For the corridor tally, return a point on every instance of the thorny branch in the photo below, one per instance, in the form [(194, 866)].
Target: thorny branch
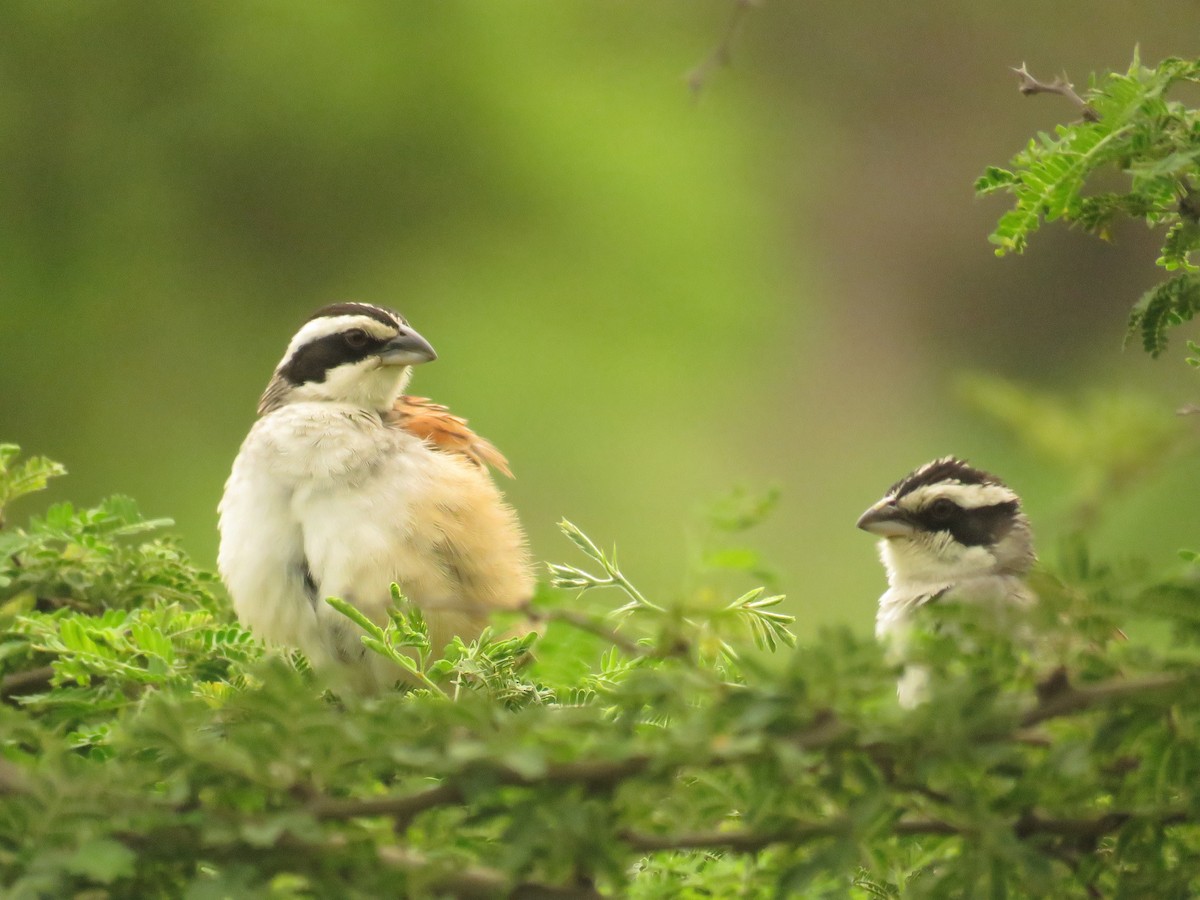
[(722, 53), (1029, 86)]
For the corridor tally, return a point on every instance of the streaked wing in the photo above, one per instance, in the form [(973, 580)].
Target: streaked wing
[(434, 423)]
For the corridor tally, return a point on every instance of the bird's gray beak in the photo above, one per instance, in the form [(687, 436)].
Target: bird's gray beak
[(885, 519), (407, 349)]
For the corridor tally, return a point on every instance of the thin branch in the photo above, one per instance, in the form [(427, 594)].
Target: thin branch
[(476, 881), (736, 841), (596, 774), (591, 626), (28, 682), (825, 731), (13, 779), (1028, 86), (796, 833), (1027, 826), (918, 827), (1068, 699), (679, 649), (451, 877), (720, 55), (1089, 831), (1085, 829), (401, 807)]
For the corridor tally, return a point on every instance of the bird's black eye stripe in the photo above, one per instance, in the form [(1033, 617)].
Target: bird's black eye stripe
[(971, 527), (312, 362), (943, 509)]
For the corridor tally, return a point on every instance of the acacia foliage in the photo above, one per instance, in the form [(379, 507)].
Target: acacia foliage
[(643, 746), (659, 748), (1131, 125)]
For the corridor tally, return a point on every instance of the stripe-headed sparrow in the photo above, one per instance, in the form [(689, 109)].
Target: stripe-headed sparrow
[(344, 486), (949, 533)]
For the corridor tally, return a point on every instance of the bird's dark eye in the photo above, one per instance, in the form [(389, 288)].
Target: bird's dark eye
[(942, 508), (356, 338)]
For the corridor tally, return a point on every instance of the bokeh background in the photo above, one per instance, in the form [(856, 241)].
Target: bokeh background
[(646, 298)]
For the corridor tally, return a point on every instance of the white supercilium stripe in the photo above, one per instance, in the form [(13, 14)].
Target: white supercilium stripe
[(967, 496)]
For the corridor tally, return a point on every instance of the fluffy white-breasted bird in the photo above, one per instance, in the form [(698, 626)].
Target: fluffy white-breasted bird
[(344, 486)]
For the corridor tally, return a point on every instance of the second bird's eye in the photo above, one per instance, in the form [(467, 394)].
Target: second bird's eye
[(943, 508), (356, 339)]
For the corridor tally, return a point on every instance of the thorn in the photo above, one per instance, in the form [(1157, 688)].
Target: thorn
[(1053, 684)]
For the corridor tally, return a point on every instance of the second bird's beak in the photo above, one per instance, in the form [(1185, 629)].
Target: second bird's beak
[(407, 349), (886, 520)]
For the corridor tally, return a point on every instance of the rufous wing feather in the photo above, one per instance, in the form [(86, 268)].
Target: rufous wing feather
[(434, 423)]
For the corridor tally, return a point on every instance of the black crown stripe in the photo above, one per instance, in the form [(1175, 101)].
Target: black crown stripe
[(380, 314), (948, 468)]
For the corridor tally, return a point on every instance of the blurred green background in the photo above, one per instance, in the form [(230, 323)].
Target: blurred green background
[(644, 298)]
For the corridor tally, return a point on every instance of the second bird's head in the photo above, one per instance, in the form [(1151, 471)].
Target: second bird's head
[(352, 353), (947, 521)]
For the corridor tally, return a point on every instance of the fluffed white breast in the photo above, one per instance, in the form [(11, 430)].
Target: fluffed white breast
[(362, 504)]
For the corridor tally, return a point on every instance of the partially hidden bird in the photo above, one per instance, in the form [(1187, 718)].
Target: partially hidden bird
[(949, 532)]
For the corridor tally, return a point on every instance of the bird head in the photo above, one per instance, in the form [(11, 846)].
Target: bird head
[(947, 521), (352, 353)]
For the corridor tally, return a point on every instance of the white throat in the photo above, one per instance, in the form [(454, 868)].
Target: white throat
[(933, 561), (369, 384)]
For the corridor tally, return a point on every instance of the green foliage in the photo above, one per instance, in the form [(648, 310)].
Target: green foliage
[(656, 749), (1103, 443), (1171, 303), (488, 663), (27, 478), (82, 558), (709, 625), (1130, 126), (727, 519), (87, 609)]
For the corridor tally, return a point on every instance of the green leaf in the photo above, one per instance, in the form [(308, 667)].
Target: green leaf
[(30, 476), (581, 540), (994, 179), (1163, 307), (354, 614), (742, 509), (738, 559), (102, 860)]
